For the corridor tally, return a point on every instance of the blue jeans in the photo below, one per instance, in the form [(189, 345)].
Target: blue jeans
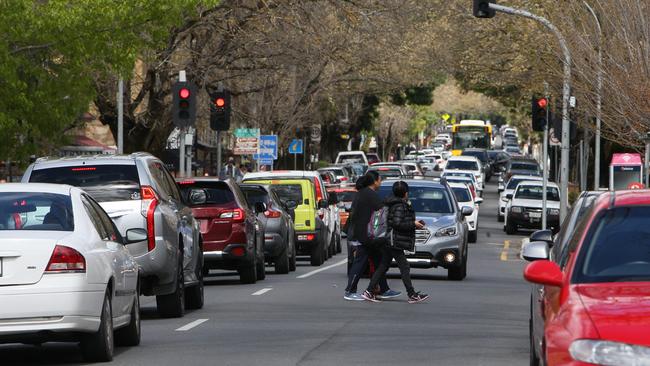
[(360, 255)]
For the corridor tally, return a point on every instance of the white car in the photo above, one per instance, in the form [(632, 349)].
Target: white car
[(465, 198), (509, 188), (466, 173), (524, 208), (470, 163), (351, 157), (65, 273)]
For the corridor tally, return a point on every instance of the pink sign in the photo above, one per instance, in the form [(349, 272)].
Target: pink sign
[(626, 159)]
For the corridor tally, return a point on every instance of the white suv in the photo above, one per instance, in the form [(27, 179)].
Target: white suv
[(465, 198), (470, 163), (352, 157)]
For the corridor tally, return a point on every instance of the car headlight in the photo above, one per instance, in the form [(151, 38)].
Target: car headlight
[(553, 211), (446, 231), (609, 353), (515, 209)]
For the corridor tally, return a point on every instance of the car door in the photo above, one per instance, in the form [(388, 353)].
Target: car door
[(168, 209)]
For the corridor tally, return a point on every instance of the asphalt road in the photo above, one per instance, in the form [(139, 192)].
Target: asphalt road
[(302, 319)]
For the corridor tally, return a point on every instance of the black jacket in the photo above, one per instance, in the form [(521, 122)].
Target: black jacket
[(365, 202), (401, 219)]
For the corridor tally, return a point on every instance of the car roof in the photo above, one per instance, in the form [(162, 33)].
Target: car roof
[(415, 183), (282, 174), (536, 183), (526, 177), (99, 159), (63, 189), (464, 158)]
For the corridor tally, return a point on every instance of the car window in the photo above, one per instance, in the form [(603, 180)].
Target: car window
[(426, 199), (462, 165), (171, 183), (104, 183), (217, 192), (462, 194), (36, 211), (346, 196), (111, 231), (523, 166), (94, 218), (535, 193), (288, 192), (617, 247), (158, 175), (254, 195)]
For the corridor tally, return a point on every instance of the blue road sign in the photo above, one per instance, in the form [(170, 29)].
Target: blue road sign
[(265, 161), (295, 147), (268, 148)]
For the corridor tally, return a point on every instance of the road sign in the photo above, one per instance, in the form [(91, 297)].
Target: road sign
[(265, 161), (246, 145), (268, 148), (247, 132), (446, 117), (315, 133), (295, 147)]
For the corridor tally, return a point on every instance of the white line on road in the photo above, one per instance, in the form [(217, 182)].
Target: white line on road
[(191, 325), (262, 291), (309, 274)]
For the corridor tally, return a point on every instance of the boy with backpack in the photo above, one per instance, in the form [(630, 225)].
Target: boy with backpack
[(396, 223)]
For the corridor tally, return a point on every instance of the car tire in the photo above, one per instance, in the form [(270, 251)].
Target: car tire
[(130, 335), (458, 273), (292, 261), (499, 218), (283, 262), (173, 305), (317, 252), (534, 359), (194, 296), (339, 247), (331, 250), (511, 228), (100, 346), (472, 236)]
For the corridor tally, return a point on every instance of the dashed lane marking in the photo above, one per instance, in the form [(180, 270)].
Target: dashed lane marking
[(191, 325), (262, 291), (309, 274), (504, 252)]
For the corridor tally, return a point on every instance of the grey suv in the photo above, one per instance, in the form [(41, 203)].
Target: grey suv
[(443, 242), (137, 191)]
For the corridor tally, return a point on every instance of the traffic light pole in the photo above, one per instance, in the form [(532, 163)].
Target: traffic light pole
[(181, 153), (566, 90), (545, 159)]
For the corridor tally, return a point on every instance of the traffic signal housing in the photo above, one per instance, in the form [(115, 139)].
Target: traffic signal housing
[(482, 9), (540, 113), (184, 104), (220, 107)]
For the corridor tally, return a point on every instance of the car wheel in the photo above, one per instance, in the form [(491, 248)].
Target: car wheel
[(173, 305), (292, 261), (331, 249), (511, 228), (339, 248), (472, 236), (283, 262), (248, 272), (458, 273), (194, 296), (130, 335), (99, 346), (317, 252)]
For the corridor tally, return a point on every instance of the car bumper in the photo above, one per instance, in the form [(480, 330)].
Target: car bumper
[(57, 303), (274, 245), (524, 221), (432, 253), (231, 257), (307, 240)]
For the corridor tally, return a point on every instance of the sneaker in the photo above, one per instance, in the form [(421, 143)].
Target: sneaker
[(417, 297), (390, 294), (352, 296), (370, 296)]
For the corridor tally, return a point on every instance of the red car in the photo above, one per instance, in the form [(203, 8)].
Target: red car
[(595, 293)]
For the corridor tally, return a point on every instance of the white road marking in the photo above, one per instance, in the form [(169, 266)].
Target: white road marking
[(191, 325), (309, 274), (262, 291)]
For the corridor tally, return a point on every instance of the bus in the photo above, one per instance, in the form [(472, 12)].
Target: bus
[(470, 134)]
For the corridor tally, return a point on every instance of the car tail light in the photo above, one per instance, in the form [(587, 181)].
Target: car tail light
[(148, 210), (344, 179), (238, 251), (66, 260), (308, 237), (319, 190), (272, 214), (236, 215)]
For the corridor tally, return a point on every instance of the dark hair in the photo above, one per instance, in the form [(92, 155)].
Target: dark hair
[(400, 189), (367, 180)]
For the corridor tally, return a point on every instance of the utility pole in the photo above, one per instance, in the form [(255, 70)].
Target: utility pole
[(566, 90), (120, 116), (545, 158), (181, 136), (599, 96)]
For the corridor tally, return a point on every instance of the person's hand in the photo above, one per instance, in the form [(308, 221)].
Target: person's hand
[(419, 224)]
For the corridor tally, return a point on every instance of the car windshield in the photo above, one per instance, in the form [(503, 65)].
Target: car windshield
[(217, 193), (523, 166), (454, 174), (353, 158), (512, 183), (346, 196), (527, 192), (462, 165), (617, 248), (104, 183), (388, 172), (462, 194), (481, 155), (36, 211), (425, 199), (255, 195), (288, 192)]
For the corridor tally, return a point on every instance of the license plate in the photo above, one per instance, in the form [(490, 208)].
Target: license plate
[(535, 215)]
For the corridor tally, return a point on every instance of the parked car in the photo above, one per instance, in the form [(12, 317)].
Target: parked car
[(345, 197), (443, 242), (558, 249), (65, 272), (373, 158), (352, 157), (465, 198), (509, 188), (467, 163), (279, 235), (595, 297), (513, 150), (233, 235), (482, 155), (316, 223), (524, 207), (394, 171), (137, 191)]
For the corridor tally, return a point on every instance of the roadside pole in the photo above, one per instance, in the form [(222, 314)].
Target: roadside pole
[(120, 116), (545, 158), (599, 100), (181, 136), (566, 90), (218, 173)]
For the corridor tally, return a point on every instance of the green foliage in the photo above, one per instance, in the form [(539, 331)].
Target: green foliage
[(51, 51)]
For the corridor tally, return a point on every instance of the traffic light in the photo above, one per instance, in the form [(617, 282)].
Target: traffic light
[(220, 110), (540, 108), (184, 104), (482, 9)]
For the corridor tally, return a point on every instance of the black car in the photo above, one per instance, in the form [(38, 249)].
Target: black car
[(522, 166), (483, 156), (279, 243), (498, 160)]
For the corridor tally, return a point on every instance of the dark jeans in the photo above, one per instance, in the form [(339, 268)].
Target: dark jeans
[(360, 255), (405, 270)]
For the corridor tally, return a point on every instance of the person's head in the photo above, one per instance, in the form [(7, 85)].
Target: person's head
[(400, 189), (231, 160), (242, 167), (370, 180)]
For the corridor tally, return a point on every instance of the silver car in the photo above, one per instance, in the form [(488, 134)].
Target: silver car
[(137, 191), (443, 242)]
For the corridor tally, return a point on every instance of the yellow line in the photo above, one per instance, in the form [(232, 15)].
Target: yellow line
[(506, 249)]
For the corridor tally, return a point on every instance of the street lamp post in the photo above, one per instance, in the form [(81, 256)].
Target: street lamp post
[(599, 89)]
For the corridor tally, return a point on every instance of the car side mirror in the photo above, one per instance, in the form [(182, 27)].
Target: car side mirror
[(323, 204), (333, 198), (260, 207), (543, 235), (509, 196), (291, 205), (535, 250), (466, 210), (135, 236), (198, 197), (478, 200), (544, 272)]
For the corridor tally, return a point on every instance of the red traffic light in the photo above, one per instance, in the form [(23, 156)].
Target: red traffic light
[(184, 93), (542, 103), (220, 102)]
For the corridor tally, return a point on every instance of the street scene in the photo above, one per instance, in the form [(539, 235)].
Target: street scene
[(325, 183)]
